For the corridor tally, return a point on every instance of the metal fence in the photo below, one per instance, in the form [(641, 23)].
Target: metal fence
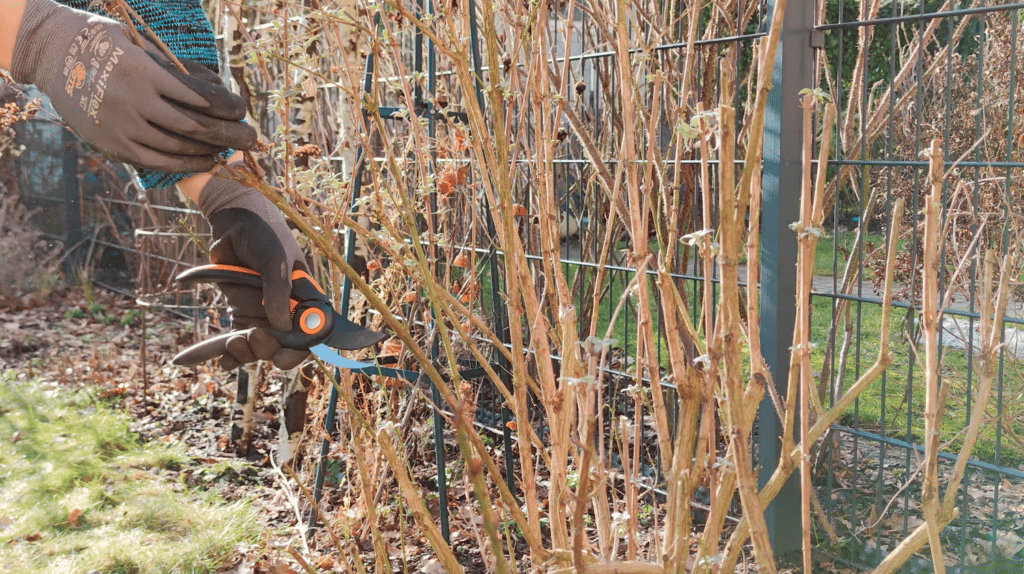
[(122, 238), (900, 73)]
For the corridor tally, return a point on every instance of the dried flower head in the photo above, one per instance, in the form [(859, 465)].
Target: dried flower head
[(308, 150), (12, 113)]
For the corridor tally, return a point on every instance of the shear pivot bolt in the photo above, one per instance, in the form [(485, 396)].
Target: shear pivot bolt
[(311, 320)]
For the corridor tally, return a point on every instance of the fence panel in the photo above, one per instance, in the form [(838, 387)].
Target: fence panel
[(903, 73)]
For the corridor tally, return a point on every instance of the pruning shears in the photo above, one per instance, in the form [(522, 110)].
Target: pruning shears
[(316, 326)]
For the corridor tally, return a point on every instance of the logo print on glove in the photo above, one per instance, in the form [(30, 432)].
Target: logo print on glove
[(75, 78), (101, 47)]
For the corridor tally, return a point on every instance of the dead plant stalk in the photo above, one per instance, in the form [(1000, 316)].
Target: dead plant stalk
[(812, 210), (931, 318)]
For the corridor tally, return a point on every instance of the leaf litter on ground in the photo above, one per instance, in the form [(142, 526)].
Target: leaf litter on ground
[(94, 360)]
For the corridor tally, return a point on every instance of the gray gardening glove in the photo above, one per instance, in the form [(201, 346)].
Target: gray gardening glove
[(249, 231), (131, 105)]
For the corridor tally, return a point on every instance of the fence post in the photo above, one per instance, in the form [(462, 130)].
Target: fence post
[(72, 200), (793, 72)]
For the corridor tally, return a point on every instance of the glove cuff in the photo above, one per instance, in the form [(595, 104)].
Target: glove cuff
[(44, 25), (221, 192)]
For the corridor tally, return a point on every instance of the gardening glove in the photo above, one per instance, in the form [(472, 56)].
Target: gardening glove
[(130, 104), (249, 231)]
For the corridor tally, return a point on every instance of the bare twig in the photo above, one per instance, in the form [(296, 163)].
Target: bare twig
[(128, 14), (931, 322)]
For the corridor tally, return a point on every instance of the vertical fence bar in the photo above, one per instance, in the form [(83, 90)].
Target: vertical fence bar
[(435, 396), (782, 171), (72, 199), (346, 294), (501, 326)]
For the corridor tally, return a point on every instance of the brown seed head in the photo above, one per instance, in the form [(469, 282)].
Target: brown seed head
[(308, 150)]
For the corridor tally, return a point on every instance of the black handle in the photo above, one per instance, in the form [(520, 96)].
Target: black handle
[(314, 320)]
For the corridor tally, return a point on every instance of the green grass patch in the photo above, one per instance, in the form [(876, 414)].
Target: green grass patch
[(834, 250), (80, 494), (885, 404)]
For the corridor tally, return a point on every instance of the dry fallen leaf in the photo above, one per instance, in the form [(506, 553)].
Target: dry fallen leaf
[(243, 567), (1009, 543), (73, 516), (432, 566), (391, 347)]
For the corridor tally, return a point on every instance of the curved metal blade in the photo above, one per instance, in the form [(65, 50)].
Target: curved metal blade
[(348, 336), (330, 356)]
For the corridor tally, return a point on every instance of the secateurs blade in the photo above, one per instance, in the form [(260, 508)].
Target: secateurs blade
[(316, 326)]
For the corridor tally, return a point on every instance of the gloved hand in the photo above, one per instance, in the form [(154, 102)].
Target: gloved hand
[(130, 104), (249, 231)]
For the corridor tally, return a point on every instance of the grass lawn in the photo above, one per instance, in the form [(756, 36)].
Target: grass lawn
[(80, 494), (894, 404), (834, 249)]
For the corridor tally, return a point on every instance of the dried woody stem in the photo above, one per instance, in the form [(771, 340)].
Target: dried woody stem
[(127, 15), (325, 247), (435, 293), (899, 93), (530, 528), (931, 318), (538, 299), (524, 304), (422, 516), (722, 477), (812, 212), (638, 226), (788, 463), (990, 333), (803, 321), (739, 410)]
